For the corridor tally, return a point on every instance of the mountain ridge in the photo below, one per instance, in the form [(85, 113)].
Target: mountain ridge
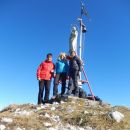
[(70, 114)]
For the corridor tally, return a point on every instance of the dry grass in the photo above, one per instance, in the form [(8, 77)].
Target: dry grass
[(81, 115)]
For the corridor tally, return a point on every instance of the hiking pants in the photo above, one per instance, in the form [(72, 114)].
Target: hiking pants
[(44, 84), (59, 77), (73, 83)]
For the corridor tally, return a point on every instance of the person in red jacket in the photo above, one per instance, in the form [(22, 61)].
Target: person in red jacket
[(44, 75)]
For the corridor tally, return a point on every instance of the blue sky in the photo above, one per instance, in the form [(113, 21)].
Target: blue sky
[(29, 29)]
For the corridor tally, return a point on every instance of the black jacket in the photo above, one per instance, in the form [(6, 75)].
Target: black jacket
[(75, 64)]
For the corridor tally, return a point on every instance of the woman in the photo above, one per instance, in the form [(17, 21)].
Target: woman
[(61, 68), (44, 76)]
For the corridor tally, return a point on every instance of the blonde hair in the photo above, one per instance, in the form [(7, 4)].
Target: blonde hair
[(62, 54)]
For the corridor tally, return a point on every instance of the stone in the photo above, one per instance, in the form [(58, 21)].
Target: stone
[(116, 116), (2, 127), (7, 120)]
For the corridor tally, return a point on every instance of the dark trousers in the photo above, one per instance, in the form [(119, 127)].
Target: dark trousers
[(44, 84), (59, 77), (73, 83)]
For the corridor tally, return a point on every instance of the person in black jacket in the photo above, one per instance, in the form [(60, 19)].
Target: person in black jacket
[(75, 66)]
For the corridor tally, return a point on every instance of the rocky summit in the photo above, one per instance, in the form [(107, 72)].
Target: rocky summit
[(71, 114)]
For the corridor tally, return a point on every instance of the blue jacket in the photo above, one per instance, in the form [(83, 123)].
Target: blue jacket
[(61, 66)]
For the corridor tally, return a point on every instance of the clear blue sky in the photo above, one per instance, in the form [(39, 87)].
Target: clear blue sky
[(29, 29)]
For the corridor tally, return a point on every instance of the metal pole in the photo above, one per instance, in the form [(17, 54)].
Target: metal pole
[(80, 43)]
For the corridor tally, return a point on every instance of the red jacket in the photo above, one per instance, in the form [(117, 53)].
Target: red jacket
[(45, 70)]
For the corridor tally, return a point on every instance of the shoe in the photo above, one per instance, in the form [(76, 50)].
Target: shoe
[(53, 97), (45, 101)]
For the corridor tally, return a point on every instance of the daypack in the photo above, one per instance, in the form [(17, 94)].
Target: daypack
[(82, 93), (91, 98)]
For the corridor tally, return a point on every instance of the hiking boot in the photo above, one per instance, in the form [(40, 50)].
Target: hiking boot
[(53, 97), (45, 101)]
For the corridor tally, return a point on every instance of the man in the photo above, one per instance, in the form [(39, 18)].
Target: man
[(44, 75), (75, 66)]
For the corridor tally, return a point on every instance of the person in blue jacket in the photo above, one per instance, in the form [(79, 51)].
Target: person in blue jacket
[(61, 69)]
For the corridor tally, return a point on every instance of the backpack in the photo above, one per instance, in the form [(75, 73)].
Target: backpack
[(82, 93)]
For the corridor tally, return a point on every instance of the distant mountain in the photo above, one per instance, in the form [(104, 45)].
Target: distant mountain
[(71, 114)]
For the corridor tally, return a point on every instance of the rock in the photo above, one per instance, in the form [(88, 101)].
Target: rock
[(80, 128), (53, 108), (81, 120), (55, 118), (18, 109), (70, 109), (2, 127), (47, 115), (88, 128), (23, 112), (46, 124), (62, 102), (7, 120), (20, 128), (40, 107), (70, 127), (55, 103), (116, 116), (86, 112), (51, 128)]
